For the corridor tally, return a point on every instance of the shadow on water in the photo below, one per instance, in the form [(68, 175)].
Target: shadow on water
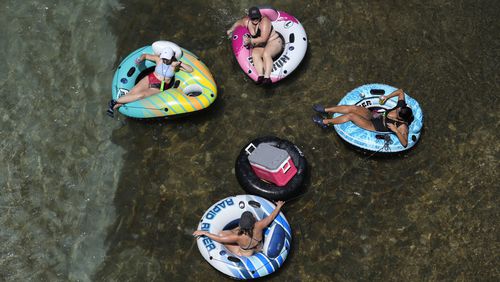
[(291, 79)]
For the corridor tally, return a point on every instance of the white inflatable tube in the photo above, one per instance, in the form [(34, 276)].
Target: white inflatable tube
[(224, 215)]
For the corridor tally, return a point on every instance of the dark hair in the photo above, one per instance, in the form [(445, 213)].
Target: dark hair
[(169, 61), (248, 232), (247, 222), (406, 114)]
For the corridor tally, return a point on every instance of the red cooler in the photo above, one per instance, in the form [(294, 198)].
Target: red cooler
[(271, 164)]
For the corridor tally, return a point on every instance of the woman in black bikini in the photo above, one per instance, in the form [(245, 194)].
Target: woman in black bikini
[(246, 239), (264, 41), (396, 120)]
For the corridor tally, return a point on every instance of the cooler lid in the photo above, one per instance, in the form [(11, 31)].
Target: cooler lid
[(268, 156)]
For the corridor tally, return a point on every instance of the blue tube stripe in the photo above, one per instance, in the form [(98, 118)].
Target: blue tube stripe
[(202, 86), (274, 263), (268, 208), (280, 219), (244, 272), (199, 101), (286, 226), (236, 273), (199, 83), (249, 265), (202, 93), (201, 72), (266, 262), (260, 270), (154, 102), (170, 107), (179, 103), (267, 231), (132, 109), (166, 103), (190, 103), (280, 259)]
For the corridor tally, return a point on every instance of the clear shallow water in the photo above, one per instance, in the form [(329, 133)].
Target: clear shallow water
[(89, 198)]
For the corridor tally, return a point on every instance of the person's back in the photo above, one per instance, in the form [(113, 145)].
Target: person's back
[(246, 239), (250, 245), (249, 234)]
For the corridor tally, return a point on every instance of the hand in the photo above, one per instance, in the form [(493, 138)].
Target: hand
[(279, 204), (247, 40), (392, 127), (229, 32), (138, 60), (382, 99), (198, 233)]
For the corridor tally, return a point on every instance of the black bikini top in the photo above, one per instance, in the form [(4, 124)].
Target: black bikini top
[(257, 33), (254, 247), (397, 123)]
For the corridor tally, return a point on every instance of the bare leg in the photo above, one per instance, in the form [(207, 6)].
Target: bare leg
[(257, 60), (358, 110), (140, 91), (132, 94), (355, 118), (272, 49)]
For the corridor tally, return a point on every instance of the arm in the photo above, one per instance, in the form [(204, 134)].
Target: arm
[(185, 67), (153, 58), (401, 133), (268, 219), (240, 22), (264, 34), (221, 239), (399, 93)]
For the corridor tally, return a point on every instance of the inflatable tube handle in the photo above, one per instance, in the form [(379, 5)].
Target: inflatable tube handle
[(286, 167), (247, 149)]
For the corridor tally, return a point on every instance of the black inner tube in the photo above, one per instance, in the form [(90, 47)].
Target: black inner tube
[(252, 184)]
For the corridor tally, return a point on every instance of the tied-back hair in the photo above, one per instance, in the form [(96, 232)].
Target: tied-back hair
[(248, 232)]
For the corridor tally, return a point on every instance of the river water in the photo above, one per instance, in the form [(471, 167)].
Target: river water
[(89, 198)]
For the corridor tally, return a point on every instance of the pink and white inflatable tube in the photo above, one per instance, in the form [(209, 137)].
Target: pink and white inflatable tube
[(294, 50)]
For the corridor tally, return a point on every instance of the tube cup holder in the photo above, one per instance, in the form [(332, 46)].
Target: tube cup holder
[(193, 90)]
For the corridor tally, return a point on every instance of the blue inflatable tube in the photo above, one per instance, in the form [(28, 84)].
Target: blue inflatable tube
[(373, 141)]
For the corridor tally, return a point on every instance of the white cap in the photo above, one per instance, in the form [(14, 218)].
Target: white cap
[(167, 53)]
